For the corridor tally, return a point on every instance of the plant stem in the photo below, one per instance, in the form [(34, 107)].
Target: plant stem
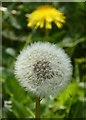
[(46, 34), (28, 40), (37, 108)]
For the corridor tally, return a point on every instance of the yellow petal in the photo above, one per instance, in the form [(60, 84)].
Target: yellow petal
[(48, 19), (59, 25), (37, 24), (60, 19), (48, 25), (41, 23), (29, 24)]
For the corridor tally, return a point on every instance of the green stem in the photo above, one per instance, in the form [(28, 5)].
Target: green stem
[(28, 40), (37, 115), (46, 35)]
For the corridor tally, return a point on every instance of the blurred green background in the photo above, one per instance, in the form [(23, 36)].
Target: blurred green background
[(18, 103)]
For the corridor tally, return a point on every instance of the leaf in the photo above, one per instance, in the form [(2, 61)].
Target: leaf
[(18, 109), (10, 51), (68, 42), (77, 110), (14, 22)]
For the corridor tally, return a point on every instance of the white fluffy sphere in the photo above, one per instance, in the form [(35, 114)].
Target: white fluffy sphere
[(43, 68)]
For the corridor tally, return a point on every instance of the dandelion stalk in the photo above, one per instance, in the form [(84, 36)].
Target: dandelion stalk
[(37, 115), (46, 34)]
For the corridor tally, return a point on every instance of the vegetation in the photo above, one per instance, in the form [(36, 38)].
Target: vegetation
[(71, 37)]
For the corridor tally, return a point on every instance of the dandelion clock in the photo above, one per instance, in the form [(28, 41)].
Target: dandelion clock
[(44, 69)]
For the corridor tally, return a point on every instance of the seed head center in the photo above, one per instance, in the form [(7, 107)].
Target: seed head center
[(43, 70)]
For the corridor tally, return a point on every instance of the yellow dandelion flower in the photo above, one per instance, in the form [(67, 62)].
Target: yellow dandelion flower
[(43, 16)]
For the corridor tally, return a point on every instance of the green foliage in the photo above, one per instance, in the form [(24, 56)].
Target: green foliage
[(15, 35)]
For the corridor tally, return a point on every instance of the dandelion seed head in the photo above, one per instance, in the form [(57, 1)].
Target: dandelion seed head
[(43, 68)]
